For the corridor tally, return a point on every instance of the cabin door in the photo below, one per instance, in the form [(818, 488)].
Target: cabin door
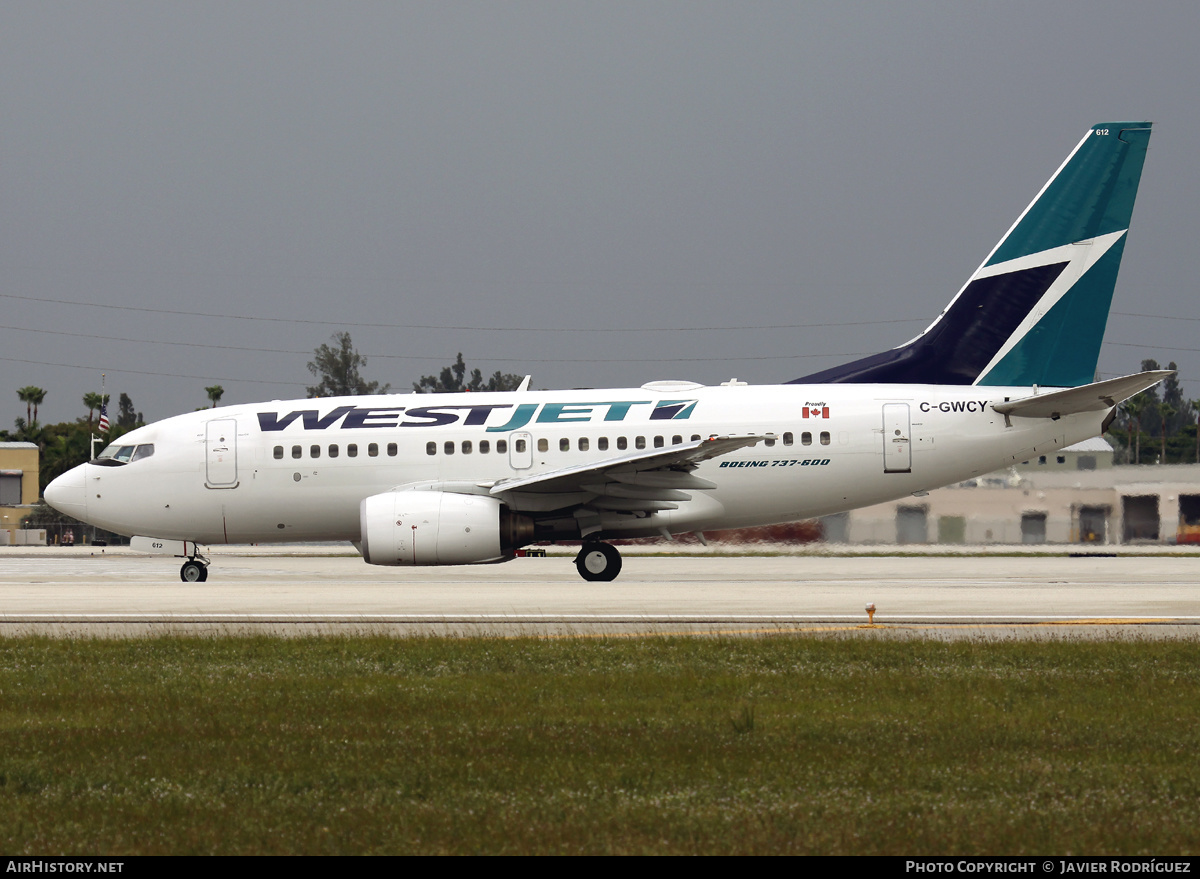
[(897, 439), (220, 451)]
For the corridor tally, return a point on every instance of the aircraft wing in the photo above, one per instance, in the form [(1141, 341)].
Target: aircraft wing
[(1087, 398), (653, 479)]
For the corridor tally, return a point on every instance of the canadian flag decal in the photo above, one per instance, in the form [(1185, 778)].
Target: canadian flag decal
[(816, 411)]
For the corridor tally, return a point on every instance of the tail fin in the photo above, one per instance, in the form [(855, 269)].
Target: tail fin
[(1034, 313)]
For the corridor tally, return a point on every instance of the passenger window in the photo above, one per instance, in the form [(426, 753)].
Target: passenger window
[(297, 451), (448, 447), (787, 439), (279, 453), (622, 443), (333, 450), (583, 444), (519, 445), (824, 437), (314, 451), (352, 450), (431, 448), (392, 450), (769, 441), (640, 442), (564, 445), (676, 440), (466, 447), (485, 446), (658, 442), (602, 444), (695, 437), (501, 447), (373, 450), (543, 445), (806, 439)]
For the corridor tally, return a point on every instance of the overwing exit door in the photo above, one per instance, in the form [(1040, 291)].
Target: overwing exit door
[(520, 451)]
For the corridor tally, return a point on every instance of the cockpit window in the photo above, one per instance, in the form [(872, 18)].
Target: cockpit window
[(115, 455)]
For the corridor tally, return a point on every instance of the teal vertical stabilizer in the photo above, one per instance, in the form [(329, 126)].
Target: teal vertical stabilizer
[(1092, 193), (1034, 312), (1079, 218)]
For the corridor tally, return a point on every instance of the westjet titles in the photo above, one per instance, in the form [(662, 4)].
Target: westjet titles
[(356, 417)]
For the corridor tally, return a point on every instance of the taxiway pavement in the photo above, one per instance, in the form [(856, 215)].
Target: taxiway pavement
[(85, 591)]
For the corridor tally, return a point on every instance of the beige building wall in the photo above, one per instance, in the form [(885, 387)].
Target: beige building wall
[(1109, 505), (18, 461)]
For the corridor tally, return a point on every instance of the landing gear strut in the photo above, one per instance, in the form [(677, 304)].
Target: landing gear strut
[(194, 570), (598, 562)]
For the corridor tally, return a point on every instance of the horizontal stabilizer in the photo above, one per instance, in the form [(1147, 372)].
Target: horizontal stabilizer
[(1088, 398)]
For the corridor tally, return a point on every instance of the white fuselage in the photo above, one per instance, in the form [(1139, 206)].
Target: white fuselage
[(258, 473)]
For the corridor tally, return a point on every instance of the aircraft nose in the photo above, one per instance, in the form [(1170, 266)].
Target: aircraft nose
[(66, 493)]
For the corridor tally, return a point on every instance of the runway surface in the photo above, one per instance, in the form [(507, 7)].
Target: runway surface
[(88, 592)]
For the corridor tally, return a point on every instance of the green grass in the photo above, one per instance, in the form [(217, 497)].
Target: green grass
[(685, 745)]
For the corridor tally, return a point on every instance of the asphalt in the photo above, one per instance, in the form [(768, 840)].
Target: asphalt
[(105, 592)]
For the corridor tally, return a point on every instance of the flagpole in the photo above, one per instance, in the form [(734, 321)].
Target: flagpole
[(103, 417)]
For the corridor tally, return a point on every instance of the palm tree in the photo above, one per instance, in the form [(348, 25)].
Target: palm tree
[(1195, 404), (1134, 407), (1166, 412), (32, 397), (93, 401), (28, 431), (214, 394)]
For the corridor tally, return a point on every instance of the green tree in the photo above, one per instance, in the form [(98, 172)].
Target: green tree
[(1135, 407), (214, 394), (126, 416), (27, 432), (1172, 395), (451, 380), (93, 401), (32, 397), (1165, 413), (67, 446), (338, 368), (1195, 407)]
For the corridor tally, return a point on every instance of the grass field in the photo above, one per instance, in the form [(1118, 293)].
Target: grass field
[(667, 745)]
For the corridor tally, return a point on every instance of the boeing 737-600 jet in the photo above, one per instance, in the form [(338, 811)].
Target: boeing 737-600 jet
[(1005, 373)]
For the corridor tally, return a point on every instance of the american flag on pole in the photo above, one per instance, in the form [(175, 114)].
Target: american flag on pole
[(103, 416)]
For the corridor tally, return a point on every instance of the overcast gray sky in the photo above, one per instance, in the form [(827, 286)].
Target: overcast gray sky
[(600, 194)]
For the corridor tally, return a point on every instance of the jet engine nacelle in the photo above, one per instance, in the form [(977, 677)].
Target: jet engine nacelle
[(439, 528)]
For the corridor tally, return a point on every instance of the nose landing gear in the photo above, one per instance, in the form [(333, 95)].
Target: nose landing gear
[(598, 562), (194, 570)]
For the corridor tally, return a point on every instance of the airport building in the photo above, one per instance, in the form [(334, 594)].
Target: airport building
[(1077, 495), (18, 488)]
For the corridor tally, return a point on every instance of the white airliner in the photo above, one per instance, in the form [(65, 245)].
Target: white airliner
[(1003, 374)]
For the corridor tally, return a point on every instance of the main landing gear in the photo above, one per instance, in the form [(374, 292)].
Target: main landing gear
[(194, 570), (598, 562)]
